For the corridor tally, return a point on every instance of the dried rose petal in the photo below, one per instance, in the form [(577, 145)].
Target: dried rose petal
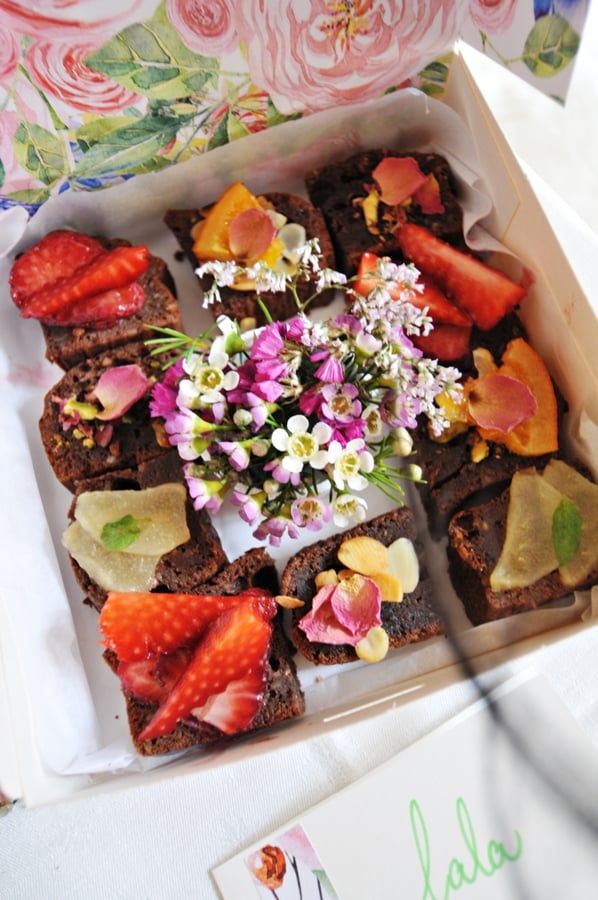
[(118, 389), (500, 402), (398, 178), (427, 197), (343, 613), (250, 234)]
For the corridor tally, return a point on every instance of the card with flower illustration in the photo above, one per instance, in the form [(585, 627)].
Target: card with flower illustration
[(493, 805)]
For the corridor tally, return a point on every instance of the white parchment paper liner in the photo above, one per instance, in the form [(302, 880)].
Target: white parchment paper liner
[(49, 637)]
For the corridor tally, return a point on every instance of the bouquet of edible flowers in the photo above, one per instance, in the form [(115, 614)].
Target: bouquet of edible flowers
[(294, 420)]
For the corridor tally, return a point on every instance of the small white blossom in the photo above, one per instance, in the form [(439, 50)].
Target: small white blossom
[(301, 446)]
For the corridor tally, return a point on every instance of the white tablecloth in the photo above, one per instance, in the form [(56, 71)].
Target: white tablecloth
[(160, 842)]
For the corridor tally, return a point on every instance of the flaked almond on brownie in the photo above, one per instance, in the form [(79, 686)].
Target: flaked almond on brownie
[(532, 544), (214, 665), (241, 227), (365, 197), (395, 596), (96, 419)]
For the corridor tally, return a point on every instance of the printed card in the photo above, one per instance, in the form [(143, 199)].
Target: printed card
[(495, 805)]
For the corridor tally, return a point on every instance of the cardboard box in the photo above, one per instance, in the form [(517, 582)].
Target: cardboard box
[(61, 710)]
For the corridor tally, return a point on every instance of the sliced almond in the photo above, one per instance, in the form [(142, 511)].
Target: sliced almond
[(390, 586), (374, 646), (326, 578), (403, 563), (289, 602), (363, 554)]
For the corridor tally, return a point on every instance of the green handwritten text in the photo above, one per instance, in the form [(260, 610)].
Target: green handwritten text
[(478, 862)]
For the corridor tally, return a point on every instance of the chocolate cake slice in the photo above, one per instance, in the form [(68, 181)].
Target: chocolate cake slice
[(339, 190), (243, 305), (67, 346), (283, 697), (86, 448), (476, 538), (415, 618), (189, 565)]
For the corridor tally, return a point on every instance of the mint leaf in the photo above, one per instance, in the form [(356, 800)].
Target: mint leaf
[(566, 531), (121, 534)]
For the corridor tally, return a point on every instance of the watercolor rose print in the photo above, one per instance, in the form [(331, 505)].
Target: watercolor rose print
[(93, 93)]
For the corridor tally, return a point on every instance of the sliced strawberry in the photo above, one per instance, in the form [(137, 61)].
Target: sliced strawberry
[(234, 645), (439, 307), (115, 268), (58, 255), (442, 310), (486, 294), (153, 679), (447, 343), (102, 309), (138, 625), (235, 708)]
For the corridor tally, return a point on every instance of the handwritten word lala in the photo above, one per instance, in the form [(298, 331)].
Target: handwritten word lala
[(478, 863)]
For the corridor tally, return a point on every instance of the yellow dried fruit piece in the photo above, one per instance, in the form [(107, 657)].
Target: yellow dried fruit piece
[(363, 554), (390, 586), (111, 569), (374, 646), (212, 240), (528, 552), (584, 494), (403, 563), (158, 512), (289, 602), (326, 578)]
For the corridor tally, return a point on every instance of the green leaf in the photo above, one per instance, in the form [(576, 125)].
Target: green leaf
[(32, 197), (2, 173), (150, 59), (566, 531), (98, 129), (40, 152), (121, 534), (550, 46), (129, 148)]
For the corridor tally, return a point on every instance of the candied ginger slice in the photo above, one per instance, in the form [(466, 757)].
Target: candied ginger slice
[(111, 570), (528, 553), (584, 494), (159, 514)]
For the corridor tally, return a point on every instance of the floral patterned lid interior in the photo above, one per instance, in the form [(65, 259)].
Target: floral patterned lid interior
[(94, 93)]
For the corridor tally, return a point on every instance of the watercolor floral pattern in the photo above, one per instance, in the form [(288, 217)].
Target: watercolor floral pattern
[(91, 94), (290, 869)]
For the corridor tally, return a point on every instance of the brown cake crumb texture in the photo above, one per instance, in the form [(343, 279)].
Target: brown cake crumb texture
[(415, 618), (242, 305)]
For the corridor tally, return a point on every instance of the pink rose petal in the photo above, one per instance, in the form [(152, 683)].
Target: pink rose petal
[(398, 178), (500, 402), (342, 615), (250, 234), (427, 197), (118, 389)]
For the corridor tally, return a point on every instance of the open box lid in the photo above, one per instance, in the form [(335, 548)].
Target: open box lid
[(517, 219), (145, 84)]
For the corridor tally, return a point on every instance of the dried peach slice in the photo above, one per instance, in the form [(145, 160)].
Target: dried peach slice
[(212, 239)]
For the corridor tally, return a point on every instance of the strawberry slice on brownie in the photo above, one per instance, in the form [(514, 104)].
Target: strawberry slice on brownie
[(194, 656), (69, 278)]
